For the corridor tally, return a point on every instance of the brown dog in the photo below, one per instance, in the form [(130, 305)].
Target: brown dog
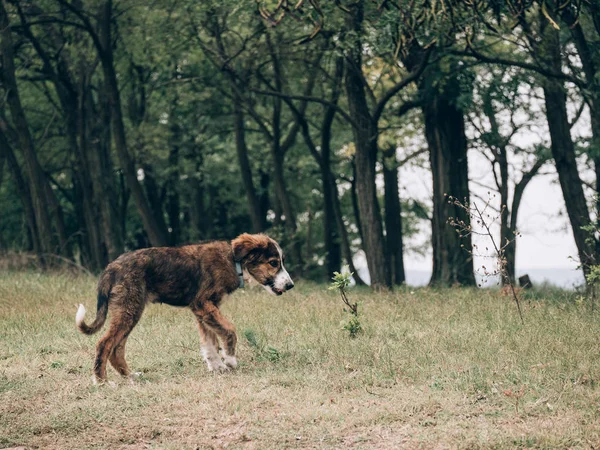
[(197, 276)]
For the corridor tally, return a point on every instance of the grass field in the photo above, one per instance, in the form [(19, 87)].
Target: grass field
[(433, 369)]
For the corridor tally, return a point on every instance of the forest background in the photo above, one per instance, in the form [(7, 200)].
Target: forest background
[(129, 124)]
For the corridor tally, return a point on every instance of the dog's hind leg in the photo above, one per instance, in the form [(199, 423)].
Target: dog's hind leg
[(111, 347), (117, 358), (209, 345)]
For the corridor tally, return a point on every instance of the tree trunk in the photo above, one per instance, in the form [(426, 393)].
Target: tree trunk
[(345, 241), (333, 246), (25, 196), (153, 194), (365, 141), (3, 246), (563, 150), (256, 216), (257, 213), (156, 233), (198, 212), (393, 218), (173, 206), (278, 149), (445, 134), (35, 175), (95, 138), (507, 236), (284, 200), (589, 64)]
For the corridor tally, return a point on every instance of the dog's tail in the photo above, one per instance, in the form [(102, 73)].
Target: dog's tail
[(104, 287)]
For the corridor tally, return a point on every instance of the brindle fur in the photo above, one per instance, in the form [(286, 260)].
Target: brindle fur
[(195, 276)]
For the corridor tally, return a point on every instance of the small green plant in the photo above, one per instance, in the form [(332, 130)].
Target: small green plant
[(590, 267), (340, 282), (265, 352), (56, 364)]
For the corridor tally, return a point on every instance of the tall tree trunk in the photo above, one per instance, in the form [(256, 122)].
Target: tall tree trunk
[(198, 213), (445, 134), (331, 230), (2, 163), (64, 246), (173, 206), (279, 148), (36, 177), (283, 197), (91, 233), (341, 226), (563, 149), (95, 138), (365, 141), (507, 236), (255, 205), (153, 194), (24, 195), (393, 217), (511, 229), (156, 233), (263, 194), (354, 198), (590, 64), (332, 239), (256, 215)]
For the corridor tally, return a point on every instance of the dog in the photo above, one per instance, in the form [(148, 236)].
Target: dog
[(196, 276)]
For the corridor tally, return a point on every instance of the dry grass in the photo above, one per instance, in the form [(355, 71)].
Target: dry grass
[(439, 369)]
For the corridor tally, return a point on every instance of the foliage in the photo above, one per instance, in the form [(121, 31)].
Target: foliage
[(341, 281), (592, 271), (187, 71)]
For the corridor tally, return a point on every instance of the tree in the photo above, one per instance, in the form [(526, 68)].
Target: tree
[(38, 184), (103, 43), (506, 96)]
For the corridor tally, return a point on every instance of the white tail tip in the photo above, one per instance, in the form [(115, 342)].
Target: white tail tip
[(80, 315)]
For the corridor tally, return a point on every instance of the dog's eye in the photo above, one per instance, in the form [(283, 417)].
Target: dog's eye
[(273, 263)]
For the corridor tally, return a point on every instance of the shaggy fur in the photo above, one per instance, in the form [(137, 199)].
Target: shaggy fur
[(194, 276)]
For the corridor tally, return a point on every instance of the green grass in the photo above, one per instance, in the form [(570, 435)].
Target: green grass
[(432, 368)]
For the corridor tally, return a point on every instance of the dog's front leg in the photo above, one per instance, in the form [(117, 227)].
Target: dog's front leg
[(209, 346), (211, 317), (215, 321)]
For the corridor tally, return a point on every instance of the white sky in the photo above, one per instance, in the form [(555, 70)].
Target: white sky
[(546, 241)]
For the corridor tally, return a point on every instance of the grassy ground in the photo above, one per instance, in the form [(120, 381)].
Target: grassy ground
[(444, 369)]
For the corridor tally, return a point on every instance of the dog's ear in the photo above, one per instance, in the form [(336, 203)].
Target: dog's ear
[(246, 243)]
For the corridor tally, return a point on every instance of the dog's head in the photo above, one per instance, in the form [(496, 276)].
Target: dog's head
[(263, 259)]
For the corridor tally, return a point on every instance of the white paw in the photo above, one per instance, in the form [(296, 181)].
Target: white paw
[(230, 361), (134, 376)]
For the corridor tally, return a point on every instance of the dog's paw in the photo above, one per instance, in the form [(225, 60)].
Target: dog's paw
[(230, 361), (133, 377), (99, 382)]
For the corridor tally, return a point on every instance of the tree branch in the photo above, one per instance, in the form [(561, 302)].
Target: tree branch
[(308, 98), (523, 65), (413, 76)]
